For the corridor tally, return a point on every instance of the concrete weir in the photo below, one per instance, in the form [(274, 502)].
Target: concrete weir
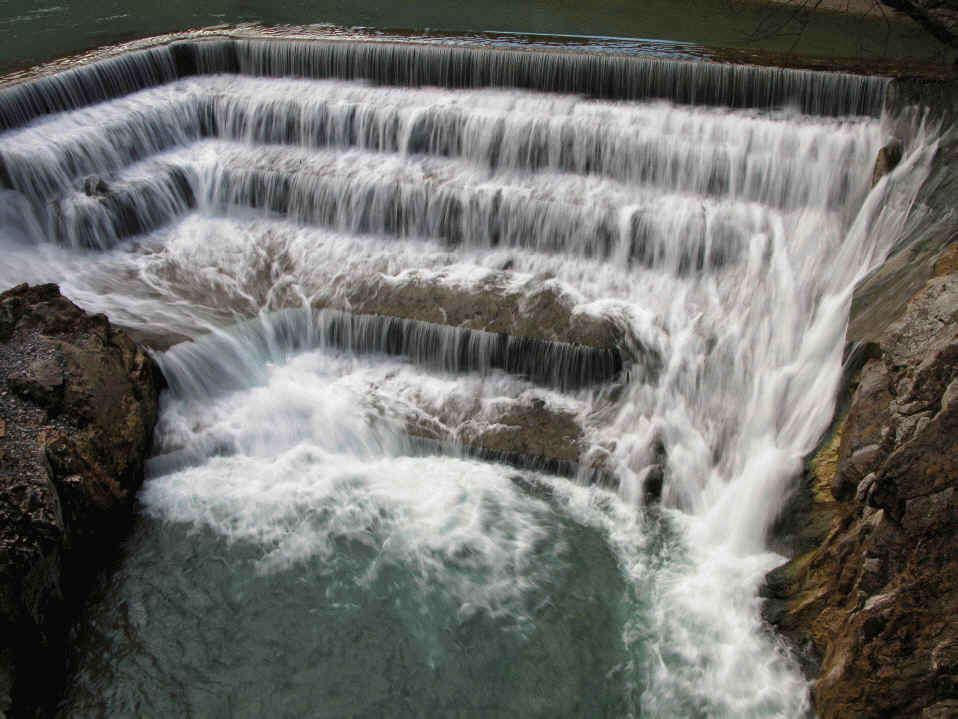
[(457, 349), (562, 365)]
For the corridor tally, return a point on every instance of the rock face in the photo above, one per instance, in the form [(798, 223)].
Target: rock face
[(879, 596), (78, 401)]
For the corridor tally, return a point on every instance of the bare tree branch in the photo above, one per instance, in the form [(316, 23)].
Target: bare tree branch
[(938, 17)]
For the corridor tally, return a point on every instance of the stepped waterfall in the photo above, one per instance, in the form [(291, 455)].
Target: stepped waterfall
[(489, 369)]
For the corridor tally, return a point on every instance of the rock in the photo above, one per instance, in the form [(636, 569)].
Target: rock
[(887, 160), (95, 186), (864, 488), (532, 429), (942, 710), (878, 594), (79, 401), (541, 311), (927, 248), (652, 480), (525, 433), (41, 382), (864, 431), (522, 433)]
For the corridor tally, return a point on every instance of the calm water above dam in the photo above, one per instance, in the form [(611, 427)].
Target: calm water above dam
[(38, 30)]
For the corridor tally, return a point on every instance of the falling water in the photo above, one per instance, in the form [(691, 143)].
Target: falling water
[(343, 241)]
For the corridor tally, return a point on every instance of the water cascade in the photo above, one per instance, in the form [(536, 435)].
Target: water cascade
[(634, 267)]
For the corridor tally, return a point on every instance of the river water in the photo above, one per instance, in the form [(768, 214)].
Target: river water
[(39, 30), (298, 553)]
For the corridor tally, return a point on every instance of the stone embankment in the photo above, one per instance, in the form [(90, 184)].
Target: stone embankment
[(78, 401)]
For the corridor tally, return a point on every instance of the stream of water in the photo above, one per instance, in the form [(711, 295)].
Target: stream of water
[(301, 554)]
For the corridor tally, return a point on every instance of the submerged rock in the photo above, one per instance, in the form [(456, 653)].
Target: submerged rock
[(78, 401)]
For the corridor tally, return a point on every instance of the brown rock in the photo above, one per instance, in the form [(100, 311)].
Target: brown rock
[(516, 430), (888, 158), (540, 311), (879, 594), (866, 430), (533, 430), (79, 400), (523, 433)]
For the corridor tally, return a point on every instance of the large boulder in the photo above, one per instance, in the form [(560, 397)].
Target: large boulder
[(78, 401)]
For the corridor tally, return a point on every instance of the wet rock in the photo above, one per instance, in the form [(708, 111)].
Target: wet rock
[(652, 480), (879, 593), (117, 212), (537, 309), (528, 428), (557, 364), (541, 311), (887, 160), (864, 431), (864, 488), (947, 709), (78, 400), (526, 433), (95, 186)]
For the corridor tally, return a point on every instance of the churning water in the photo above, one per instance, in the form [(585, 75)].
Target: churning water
[(300, 553)]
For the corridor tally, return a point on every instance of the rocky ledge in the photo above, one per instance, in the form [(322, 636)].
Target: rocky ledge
[(878, 597), (78, 401)]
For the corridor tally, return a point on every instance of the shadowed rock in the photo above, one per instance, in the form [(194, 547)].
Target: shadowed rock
[(107, 214), (888, 158), (78, 401)]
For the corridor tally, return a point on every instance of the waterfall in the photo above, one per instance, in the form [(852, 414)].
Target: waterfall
[(598, 76), (637, 267)]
